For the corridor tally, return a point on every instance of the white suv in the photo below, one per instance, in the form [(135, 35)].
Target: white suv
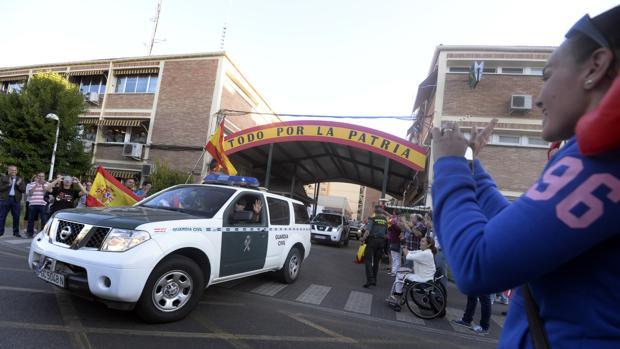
[(157, 256), (331, 228)]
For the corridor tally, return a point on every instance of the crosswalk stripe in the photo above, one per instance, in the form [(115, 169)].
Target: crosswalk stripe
[(314, 294), (406, 316), (499, 320), (359, 302), (456, 314), (18, 242), (269, 288)]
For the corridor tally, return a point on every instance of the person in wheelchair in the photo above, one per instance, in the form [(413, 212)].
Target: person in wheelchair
[(423, 270)]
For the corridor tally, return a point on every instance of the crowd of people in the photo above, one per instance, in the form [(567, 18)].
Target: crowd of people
[(41, 199)]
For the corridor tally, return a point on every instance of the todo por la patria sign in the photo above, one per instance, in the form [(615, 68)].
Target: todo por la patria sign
[(395, 148)]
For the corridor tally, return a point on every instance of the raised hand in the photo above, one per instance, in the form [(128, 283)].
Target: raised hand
[(480, 138)]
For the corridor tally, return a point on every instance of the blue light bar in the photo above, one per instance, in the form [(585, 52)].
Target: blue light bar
[(239, 181)]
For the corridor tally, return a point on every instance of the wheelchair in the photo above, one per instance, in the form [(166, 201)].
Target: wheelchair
[(426, 300)]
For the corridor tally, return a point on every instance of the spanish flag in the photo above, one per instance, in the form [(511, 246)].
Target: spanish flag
[(215, 147), (107, 191)]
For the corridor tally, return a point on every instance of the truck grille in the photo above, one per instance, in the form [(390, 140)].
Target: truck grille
[(97, 238), (67, 232)]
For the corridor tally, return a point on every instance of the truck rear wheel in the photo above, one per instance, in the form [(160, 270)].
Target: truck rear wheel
[(172, 290), (292, 266)]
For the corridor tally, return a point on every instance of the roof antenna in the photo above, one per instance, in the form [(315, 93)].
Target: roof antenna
[(155, 20), (225, 27)]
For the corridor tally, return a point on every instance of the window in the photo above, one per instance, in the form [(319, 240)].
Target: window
[(88, 84), (459, 69), (301, 214), (244, 205), (202, 201), (512, 70), (508, 139), (489, 70), (279, 213), (537, 141), (535, 71), (138, 135), (12, 86), (137, 83), (87, 132), (114, 134), (124, 134)]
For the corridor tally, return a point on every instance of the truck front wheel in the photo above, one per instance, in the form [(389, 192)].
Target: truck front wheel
[(172, 290)]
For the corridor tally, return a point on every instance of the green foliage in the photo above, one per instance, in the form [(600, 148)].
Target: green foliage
[(164, 176), (27, 137)]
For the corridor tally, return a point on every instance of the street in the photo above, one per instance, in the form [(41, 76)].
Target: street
[(326, 308)]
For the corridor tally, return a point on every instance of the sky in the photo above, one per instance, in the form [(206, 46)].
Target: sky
[(323, 57)]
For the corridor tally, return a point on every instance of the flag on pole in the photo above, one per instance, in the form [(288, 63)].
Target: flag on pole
[(475, 74), (215, 147), (107, 191)]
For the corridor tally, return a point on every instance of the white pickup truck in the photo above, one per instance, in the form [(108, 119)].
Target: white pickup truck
[(157, 256)]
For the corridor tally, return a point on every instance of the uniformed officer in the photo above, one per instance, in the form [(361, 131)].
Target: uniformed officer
[(375, 236)]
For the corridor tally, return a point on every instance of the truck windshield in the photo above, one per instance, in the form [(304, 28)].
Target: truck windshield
[(197, 200), (330, 219)]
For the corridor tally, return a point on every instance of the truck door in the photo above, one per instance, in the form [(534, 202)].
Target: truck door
[(279, 230), (244, 243)]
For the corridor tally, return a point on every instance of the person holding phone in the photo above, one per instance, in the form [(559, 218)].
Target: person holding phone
[(64, 193)]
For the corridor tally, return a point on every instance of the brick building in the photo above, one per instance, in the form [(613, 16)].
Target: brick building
[(143, 109), (511, 80)]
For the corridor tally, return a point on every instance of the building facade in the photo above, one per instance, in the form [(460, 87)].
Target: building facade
[(510, 80), (158, 108), (361, 200)]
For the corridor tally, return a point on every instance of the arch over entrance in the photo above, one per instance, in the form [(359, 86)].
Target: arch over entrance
[(395, 148), (291, 154)]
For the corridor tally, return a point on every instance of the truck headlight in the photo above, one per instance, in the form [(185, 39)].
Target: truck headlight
[(47, 228), (120, 240)]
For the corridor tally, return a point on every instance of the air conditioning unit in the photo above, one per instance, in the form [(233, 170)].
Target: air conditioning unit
[(133, 150), (520, 102)]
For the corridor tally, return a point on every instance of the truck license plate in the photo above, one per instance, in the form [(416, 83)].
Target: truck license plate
[(50, 275)]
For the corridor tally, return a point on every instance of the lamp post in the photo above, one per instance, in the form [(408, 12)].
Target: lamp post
[(54, 117)]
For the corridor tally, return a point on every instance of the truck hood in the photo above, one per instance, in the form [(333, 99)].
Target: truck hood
[(121, 217)]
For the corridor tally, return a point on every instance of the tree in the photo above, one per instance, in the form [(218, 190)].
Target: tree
[(164, 176), (27, 138)]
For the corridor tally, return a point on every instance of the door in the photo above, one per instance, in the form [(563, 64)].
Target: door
[(244, 242), (279, 224)]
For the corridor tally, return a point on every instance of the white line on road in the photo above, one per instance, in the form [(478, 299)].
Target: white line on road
[(499, 320), (359, 302), (325, 330), (18, 242), (406, 316), (23, 289), (314, 294), (269, 288)]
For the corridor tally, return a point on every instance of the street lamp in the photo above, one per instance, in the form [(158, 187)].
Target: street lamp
[(54, 117)]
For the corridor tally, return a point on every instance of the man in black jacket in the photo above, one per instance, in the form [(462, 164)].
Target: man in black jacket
[(12, 187)]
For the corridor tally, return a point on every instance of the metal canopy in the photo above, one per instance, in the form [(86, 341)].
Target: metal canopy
[(311, 162)]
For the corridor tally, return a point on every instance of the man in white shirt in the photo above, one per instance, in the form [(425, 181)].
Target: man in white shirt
[(37, 191)]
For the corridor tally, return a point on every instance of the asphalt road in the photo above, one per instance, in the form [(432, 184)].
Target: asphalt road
[(326, 308)]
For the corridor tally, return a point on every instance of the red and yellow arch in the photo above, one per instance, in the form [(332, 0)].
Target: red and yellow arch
[(395, 148)]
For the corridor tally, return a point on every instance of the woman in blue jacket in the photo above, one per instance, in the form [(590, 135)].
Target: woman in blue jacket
[(562, 237)]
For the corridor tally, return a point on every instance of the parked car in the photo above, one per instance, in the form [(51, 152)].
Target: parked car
[(331, 228), (157, 256), (355, 230)]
